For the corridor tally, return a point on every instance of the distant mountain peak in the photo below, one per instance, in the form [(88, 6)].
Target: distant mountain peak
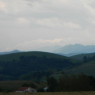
[(76, 48), (9, 52), (15, 51)]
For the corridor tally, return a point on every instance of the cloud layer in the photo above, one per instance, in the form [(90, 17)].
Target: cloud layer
[(29, 24)]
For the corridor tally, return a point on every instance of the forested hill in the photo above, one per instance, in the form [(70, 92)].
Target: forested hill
[(33, 65), (16, 56)]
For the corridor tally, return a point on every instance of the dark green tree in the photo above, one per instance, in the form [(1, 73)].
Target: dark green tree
[(85, 59), (25, 85), (52, 83)]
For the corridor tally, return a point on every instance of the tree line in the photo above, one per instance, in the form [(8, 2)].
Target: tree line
[(80, 82)]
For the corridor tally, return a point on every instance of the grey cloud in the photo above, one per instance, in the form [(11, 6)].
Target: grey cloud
[(92, 4)]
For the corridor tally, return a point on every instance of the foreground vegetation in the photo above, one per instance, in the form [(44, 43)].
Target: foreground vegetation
[(53, 93), (71, 83)]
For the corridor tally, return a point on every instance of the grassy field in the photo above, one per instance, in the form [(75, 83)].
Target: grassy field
[(52, 93)]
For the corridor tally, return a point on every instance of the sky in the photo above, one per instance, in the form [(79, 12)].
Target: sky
[(30, 24)]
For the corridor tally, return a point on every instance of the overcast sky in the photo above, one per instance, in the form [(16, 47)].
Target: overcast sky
[(30, 24)]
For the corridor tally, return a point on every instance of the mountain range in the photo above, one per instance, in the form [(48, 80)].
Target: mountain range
[(68, 50), (9, 52), (76, 49)]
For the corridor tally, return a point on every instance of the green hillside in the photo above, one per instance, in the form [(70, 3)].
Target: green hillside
[(87, 68), (81, 56)]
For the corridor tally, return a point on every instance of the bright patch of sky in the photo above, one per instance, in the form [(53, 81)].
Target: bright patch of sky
[(30, 24)]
